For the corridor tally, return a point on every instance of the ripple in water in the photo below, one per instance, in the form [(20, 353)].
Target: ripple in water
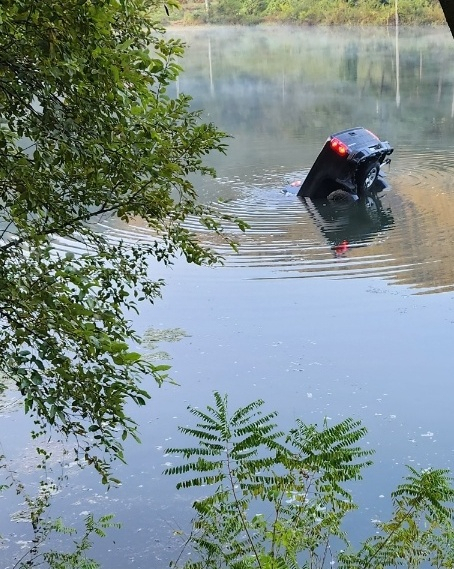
[(305, 238), (403, 235)]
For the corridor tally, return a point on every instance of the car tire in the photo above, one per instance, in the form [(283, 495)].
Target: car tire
[(367, 176), (340, 197)]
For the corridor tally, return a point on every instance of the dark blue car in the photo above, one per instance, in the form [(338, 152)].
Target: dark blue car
[(348, 165)]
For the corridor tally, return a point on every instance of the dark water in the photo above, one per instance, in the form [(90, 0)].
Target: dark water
[(366, 332)]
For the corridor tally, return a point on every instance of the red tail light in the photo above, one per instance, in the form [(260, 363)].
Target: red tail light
[(339, 147)]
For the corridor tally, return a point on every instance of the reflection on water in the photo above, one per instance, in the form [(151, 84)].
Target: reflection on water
[(281, 91), (354, 223)]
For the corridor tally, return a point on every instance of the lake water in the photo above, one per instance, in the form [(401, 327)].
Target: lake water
[(367, 333)]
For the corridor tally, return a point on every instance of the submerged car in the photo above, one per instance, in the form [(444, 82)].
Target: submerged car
[(348, 165)]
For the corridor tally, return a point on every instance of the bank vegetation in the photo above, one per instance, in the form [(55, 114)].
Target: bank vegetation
[(306, 12)]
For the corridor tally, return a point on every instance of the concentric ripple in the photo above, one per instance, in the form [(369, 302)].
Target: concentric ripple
[(403, 235)]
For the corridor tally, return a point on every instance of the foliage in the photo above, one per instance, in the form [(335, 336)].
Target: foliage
[(87, 131), (420, 529), (278, 502), (44, 528), (328, 12)]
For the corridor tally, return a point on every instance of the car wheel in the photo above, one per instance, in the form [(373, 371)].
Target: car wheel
[(367, 176), (340, 196)]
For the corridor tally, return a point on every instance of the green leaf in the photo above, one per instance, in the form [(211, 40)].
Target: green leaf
[(102, 139)]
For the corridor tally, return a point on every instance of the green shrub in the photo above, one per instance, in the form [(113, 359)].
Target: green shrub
[(331, 12), (278, 501)]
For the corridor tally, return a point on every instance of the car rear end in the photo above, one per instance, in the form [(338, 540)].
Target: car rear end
[(346, 162)]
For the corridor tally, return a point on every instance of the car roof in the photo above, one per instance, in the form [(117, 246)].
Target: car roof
[(358, 137)]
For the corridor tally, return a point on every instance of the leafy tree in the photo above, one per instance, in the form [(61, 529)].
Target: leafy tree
[(88, 132), (276, 501), (359, 12)]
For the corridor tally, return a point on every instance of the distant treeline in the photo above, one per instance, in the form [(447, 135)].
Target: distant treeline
[(310, 12)]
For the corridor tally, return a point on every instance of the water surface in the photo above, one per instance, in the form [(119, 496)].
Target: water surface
[(365, 331)]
